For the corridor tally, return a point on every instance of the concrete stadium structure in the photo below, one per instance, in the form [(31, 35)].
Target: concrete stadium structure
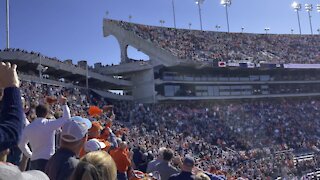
[(166, 77)]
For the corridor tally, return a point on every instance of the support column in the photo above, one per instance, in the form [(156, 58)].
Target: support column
[(124, 54)]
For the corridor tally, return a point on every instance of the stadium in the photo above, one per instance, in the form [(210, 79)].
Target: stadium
[(243, 105)]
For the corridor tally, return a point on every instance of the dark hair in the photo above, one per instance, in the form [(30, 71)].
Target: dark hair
[(42, 111), (167, 154)]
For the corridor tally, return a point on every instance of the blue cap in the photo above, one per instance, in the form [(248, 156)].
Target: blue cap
[(82, 120)]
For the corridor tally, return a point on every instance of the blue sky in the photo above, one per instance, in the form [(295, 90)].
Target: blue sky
[(72, 29)]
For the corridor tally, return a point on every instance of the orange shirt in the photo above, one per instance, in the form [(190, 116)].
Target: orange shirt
[(121, 159)]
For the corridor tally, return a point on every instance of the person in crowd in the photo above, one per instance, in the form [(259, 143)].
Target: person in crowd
[(95, 133), (15, 155), (186, 170), (73, 136), (201, 176), (153, 163), (11, 123), (11, 117), (164, 167), (41, 135), (10, 172), (122, 159), (93, 145), (96, 165), (138, 157)]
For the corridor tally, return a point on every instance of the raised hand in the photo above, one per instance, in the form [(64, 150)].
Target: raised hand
[(8, 75)]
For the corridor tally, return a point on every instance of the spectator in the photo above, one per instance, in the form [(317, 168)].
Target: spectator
[(97, 165), (186, 170), (15, 156), (201, 176), (93, 145), (73, 137), (11, 124), (164, 167), (123, 161), (10, 172), (153, 163), (40, 135), (95, 133), (11, 118)]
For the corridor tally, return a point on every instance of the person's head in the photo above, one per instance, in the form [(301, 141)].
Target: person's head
[(201, 176), (119, 141), (93, 145), (188, 164), (167, 154), (160, 154), (42, 111), (97, 165), (123, 145), (75, 133), (8, 171), (95, 130)]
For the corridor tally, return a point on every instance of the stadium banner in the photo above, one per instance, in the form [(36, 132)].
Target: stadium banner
[(247, 65), (251, 65), (268, 66), (301, 66), (233, 64), (243, 65), (222, 64)]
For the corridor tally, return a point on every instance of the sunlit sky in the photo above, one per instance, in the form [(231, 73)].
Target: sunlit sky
[(72, 29)]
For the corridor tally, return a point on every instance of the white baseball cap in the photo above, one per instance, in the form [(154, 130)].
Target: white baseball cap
[(10, 172), (93, 145), (75, 129)]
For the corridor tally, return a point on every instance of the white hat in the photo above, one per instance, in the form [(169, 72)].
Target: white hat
[(93, 145), (73, 131), (10, 172)]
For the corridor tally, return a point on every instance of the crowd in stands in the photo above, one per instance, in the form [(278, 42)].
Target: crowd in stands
[(220, 46), (213, 140), (46, 57)]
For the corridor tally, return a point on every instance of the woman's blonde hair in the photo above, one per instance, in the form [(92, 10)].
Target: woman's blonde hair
[(202, 176), (96, 165)]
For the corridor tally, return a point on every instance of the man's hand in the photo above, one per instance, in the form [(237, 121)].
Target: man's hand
[(62, 100), (8, 75)]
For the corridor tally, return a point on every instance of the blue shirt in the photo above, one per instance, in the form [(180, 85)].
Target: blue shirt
[(11, 118)]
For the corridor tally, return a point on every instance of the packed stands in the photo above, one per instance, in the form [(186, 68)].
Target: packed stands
[(220, 46), (252, 140)]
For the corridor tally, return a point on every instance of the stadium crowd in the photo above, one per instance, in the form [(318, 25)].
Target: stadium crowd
[(208, 45), (220, 140)]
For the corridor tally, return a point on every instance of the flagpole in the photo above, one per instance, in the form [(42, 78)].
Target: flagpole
[(7, 23)]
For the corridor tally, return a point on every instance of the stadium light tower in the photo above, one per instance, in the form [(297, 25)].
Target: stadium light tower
[(297, 7), (308, 8), (162, 22), (218, 27), (7, 22), (226, 4), (130, 17), (174, 15), (199, 2), (267, 29), (107, 14)]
